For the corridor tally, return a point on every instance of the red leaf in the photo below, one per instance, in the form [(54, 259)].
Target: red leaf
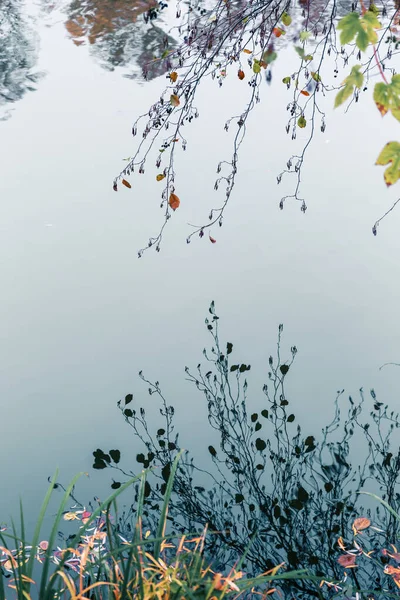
[(212, 240), (304, 92), (174, 201), (115, 187), (241, 74)]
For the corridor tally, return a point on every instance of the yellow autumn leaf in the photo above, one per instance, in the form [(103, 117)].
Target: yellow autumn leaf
[(173, 76), (71, 516), (160, 177), (247, 51)]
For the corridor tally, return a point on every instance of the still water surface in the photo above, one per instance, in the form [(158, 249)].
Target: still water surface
[(82, 315)]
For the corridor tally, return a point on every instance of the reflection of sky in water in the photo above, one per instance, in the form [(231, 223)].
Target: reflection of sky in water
[(82, 315)]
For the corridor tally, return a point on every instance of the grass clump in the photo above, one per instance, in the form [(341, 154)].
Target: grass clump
[(98, 563)]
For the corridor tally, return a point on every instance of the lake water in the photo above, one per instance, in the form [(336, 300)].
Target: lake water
[(82, 315)]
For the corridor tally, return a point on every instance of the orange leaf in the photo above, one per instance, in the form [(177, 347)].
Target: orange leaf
[(217, 582), (174, 201), (126, 183), (277, 31), (174, 100), (241, 74), (160, 177), (246, 51), (173, 76), (360, 524), (212, 240), (304, 92)]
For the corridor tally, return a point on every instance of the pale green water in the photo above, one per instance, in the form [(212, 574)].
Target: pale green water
[(81, 314)]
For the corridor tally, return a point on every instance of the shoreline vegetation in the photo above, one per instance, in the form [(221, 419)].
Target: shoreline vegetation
[(98, 563)]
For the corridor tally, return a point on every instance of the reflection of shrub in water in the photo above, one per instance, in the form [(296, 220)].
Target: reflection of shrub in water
[(18, 55), (294, 493), (115, 34)]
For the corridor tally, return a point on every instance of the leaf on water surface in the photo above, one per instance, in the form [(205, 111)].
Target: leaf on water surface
[(390, 155), (174, 201), (360, 524), (71, 516)]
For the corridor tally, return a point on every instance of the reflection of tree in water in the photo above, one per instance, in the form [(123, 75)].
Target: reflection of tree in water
[(117, 36), (18, 55)]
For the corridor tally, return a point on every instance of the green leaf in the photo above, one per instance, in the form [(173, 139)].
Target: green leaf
[(304, 35), (390, 155), (355, 79), (286, 19), (315, 76), (300, 51), (269, 56), (361, 28), (286, 80), (387, 97), (256, 66)]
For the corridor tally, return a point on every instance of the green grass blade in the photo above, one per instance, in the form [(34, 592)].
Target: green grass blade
[(385, 504), (53, 534), (140, 504), (39, 523), (163, 515)]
